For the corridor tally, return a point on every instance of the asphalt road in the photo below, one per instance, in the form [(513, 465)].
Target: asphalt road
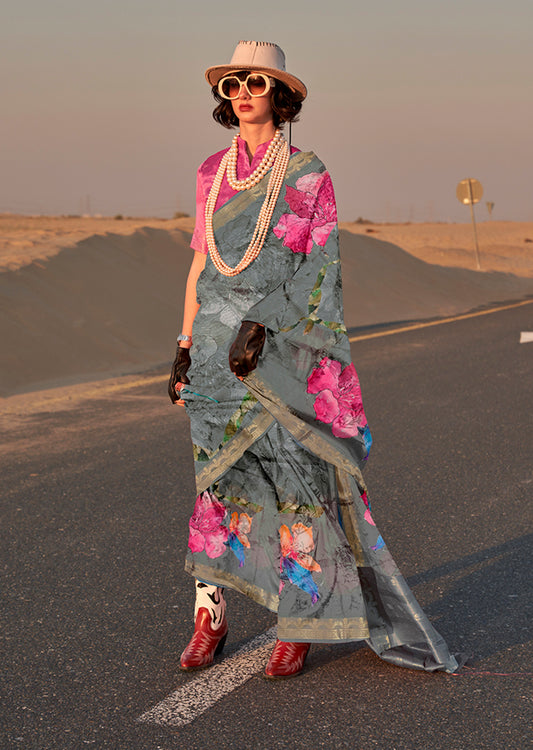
[(96, 499)]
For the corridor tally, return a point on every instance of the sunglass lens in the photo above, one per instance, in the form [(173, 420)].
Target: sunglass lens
[(230, 87), (256, 85)]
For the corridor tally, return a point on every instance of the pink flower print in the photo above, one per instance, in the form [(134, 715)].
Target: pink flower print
[(324, 377), (314, 213), (296, 233), (206, 531), (339, 401)]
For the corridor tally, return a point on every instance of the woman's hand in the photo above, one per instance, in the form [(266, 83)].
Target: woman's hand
[(178, 376), (245, 350)]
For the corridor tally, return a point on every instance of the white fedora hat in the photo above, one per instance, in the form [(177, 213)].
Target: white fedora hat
[(263, 56)]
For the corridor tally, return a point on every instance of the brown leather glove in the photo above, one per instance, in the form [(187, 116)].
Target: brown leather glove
[(245, 350), (178, 372)]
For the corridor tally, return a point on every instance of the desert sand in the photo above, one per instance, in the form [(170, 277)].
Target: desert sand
[(24, 239), (84, 298), (503, 245)]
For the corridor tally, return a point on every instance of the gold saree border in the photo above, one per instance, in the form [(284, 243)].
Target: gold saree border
[(289, 628), (299, 429), (230, 581), (348, 516), (233, 450), (306, 630)]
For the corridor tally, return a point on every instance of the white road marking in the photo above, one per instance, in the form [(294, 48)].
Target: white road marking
[(190, 701), (526, 337)]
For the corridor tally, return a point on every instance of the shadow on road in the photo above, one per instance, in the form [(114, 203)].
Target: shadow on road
[(486, 609), (489, 603)]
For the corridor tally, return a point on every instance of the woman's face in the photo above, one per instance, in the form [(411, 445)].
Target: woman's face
[(254, 110)]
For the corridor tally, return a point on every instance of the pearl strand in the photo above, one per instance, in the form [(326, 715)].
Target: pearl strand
[(274, 186), (259, 172)]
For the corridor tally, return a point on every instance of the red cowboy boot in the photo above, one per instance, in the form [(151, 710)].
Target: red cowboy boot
[(287, 660), (205, 644)]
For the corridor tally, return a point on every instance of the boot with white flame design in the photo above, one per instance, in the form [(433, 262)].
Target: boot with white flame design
[(210, 630)]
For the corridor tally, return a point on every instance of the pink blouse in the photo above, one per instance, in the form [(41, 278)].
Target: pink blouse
[(204, 180)]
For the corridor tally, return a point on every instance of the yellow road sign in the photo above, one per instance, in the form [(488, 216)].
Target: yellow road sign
[(469, 191)]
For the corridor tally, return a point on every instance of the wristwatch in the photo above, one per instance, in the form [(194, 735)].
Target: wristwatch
[(183, 337)]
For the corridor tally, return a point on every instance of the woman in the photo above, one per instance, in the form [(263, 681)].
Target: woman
[(278, 428)]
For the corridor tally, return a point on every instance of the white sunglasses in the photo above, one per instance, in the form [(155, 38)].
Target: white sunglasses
[(256, 84)]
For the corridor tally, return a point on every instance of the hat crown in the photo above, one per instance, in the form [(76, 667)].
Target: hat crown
[(258, 54), (263, 56)]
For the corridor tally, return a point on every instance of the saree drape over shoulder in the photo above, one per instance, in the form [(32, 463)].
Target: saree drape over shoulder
[(282, 513)]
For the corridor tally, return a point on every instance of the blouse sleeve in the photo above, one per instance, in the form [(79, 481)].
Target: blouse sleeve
[(198, 241)]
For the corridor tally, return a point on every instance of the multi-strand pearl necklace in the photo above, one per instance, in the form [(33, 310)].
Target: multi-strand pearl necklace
[(260, 171), (276, 157)]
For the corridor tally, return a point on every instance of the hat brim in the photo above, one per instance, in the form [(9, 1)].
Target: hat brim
[(216, 72)]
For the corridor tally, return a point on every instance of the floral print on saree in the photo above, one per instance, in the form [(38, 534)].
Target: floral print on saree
[(314, 215), (239, 528), (338, 401), (296, 562), (206, 530)]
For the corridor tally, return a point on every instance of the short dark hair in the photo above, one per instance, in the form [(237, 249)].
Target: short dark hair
[(286, 105)]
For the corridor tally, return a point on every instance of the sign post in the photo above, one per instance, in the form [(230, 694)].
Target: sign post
[(468, 192)]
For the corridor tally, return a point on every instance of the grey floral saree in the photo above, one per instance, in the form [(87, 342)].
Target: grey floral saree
[(282, 513)]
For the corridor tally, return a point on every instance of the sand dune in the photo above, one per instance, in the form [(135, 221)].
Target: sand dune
[(503, 245), (24, 239), (108, 305), (111, 303), (384, 283)]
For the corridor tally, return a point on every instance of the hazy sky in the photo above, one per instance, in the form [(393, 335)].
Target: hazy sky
[(107, 99)]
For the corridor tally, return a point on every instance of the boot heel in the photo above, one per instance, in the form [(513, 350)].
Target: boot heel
[(221, 645)]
